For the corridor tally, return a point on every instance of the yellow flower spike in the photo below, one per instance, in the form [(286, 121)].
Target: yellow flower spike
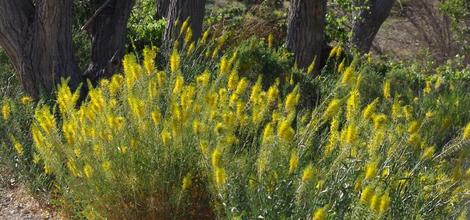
[(268, 133), (179, 83), (115, 84), (466, 132), (220, 176), (293, 162), (375, 202), (17, 145), (292, 100), (428, 88), (386, 172), (191, 48), (6, 110), (273, 94), (242, 85), (223, 65), (166, 137), (270, 40), (26, 100), (285, 131), (88, 171), (428, 153), (341, 66), (161, 79), (384, 203), (45, 119), (106, 166), (233, 80), (387, 90), (149, 59), (370, 170), (307, 174), (203, 79), (357, 185), (73, 168), (205, 35), (352, 104), (348, 75), (187, 182), (188, 36), (379, 121), (366, 194), (332, 109), (311, 67), (319, 214), (184, 26), (174, 61), (333, 52), (351, 134), (216, 157), (369, 110)]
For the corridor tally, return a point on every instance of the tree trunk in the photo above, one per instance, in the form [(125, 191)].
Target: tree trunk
[(180, 10), (38, 40), (369, 22), (162, 9), (108, 31), (305, 32)]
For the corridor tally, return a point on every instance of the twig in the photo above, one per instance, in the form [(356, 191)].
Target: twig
[(97, 12)]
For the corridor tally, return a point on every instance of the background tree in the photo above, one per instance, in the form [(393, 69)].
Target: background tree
[(369, 21), (37, 36), (180, 10), (162, 8), (305, 32)]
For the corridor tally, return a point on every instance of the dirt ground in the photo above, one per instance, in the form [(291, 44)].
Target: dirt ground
[(17, 203)]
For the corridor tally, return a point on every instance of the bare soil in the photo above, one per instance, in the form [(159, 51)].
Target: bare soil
[(16, 202)]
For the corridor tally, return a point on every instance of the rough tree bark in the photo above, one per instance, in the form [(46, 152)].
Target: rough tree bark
[(37, 36), (369, 22), (108, 31), (38, 40), (180, 10), (162, 9), (305, 32)]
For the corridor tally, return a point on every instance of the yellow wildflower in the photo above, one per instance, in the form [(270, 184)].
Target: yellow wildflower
[(233, 80), (219, 176), (370, 171), (292, 99), (25, 100), (6, 110), (293, 162), (384, 203), (270, 40), (379, 121), (88, 170), (307, 174), (223, 65), (366, 194), (174, 61), (187, 182), (341, 66), (285, 131), (188, 36), (375, 202), (348, 75), (369, 110), (466, 132), (332, 109), (387, 90), (149, 59), (216, 157), (241, 87), (428, 153), (319, 214), (166, 137)]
